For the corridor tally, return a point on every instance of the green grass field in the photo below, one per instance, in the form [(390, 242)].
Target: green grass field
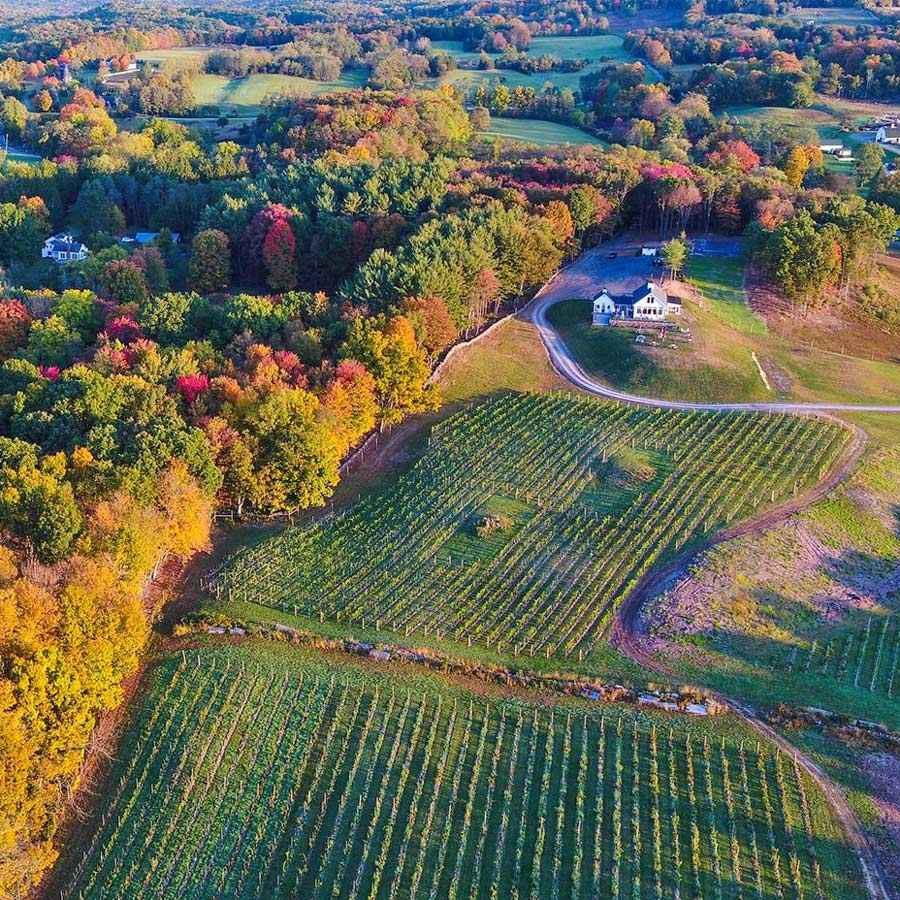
[(242, 95), (601, 49), (821, 122), (536, 131), (394, 561), (720, 280), (256, 773)]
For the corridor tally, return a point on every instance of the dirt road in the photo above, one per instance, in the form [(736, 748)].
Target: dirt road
[(627, 630), (583, 279)]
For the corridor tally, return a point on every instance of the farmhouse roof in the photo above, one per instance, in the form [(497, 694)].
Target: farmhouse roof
[(64, 243), (650, 288)]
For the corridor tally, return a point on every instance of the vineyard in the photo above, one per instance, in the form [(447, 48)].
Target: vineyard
[(867, 658), (251, 775), (598, 493)]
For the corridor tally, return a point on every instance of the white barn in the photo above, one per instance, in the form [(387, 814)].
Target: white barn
[(648, 303)]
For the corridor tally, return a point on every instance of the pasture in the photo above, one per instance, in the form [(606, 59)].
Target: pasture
[(537, 131), (252, 773), (835, 15), (392, 561), (243, 95), (601, 49)]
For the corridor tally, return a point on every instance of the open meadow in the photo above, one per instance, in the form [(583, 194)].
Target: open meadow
[(260, 773), (537, 131), (600, 49)]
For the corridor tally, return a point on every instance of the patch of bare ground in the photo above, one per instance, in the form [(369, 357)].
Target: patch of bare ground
[(740, 586), (840, 327), (882, 771), (814, 568)]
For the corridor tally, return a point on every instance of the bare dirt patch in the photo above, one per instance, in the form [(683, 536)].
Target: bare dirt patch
[(882, 771)]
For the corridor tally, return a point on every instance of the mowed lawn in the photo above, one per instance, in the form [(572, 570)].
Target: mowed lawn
[(245, 94), (537, 131), (262, 773), (720, 280)]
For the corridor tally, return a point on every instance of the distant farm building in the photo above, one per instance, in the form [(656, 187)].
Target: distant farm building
[(648, 303), (63, 248), (888, 134)]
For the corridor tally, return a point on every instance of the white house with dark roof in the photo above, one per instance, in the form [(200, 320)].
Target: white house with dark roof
[(888, 134), (63, 248), (648, 303)]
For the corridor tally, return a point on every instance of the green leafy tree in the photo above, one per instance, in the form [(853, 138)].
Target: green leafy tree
[(869, 162), (210, 266), (37, 504), (387, 347), (13, 116), (125, 282), (675, 254)]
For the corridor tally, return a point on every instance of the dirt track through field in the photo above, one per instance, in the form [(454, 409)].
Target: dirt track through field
[(626, 633), (581, 280)]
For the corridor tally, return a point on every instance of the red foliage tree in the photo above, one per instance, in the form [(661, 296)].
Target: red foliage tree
[(280, 255), (191, 386), (15, 321), (738, 153), (255, 236)]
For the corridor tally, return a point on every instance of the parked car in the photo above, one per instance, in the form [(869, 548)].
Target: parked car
[(611, 255)]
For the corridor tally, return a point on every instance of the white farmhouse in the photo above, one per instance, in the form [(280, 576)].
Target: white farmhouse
[(648, 303), (888, 134), (63, 248)]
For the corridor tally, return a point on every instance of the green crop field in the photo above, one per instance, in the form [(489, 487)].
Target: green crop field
[(536, 131), (254, 774), (551, 585)]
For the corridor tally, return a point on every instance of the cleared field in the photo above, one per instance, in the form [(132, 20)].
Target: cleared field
[(834, 15), (555, 575), (806, 614), (720, 280), (820, 121), (252, 775), (601, 49), (193, 55), (536, 131), (245, 94)]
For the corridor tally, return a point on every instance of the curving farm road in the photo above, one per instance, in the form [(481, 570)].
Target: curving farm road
[(626, 627), (564, 363)]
